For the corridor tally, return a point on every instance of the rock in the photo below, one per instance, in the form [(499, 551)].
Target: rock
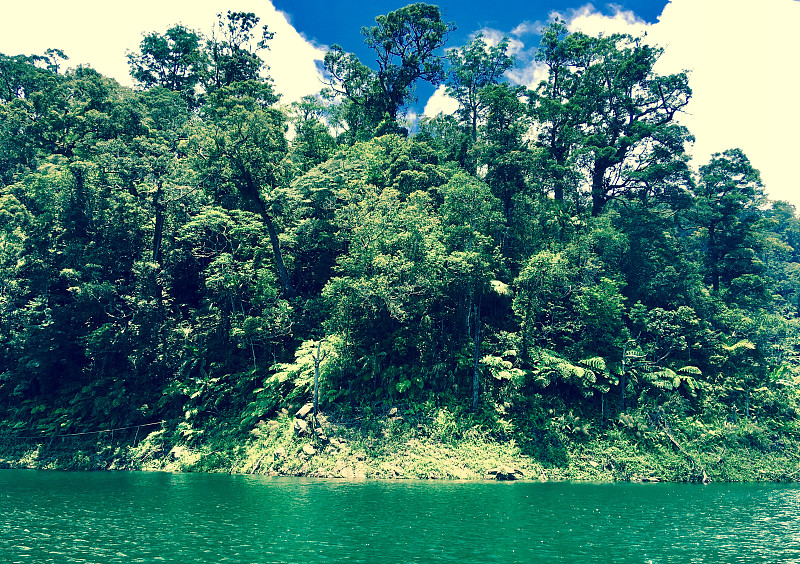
[(360, 456), (502, 473), (593, 464), (285, 411), (394, 472), (178, 452), (393, 412), (321, 419), (279, 454), (309, 450), (347, 473), (300, 427), (303, 412)]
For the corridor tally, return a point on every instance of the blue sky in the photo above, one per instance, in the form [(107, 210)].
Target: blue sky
[(327, 22), (741, 54), (332, 21)]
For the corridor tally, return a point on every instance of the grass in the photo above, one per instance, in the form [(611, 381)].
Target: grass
[(439, 442)]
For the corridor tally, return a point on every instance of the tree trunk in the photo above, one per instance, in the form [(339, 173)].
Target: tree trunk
[(599, 196), (318, 358), (253, 194), (477, 342), (713, 257), (276, 250), (158, 236)]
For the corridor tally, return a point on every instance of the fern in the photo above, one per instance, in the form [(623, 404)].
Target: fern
[(743, 344), (549, 366)]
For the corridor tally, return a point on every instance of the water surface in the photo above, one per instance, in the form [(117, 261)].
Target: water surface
[(186, 518)]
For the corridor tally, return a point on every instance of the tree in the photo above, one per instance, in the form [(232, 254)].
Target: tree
[(504, 149), (472, 67), (472, 221), (728, 197), (405, 43), (233, 55), (313, 142), (351, 82), (244, 148), (604, 107), (554, 106), (173, 60)]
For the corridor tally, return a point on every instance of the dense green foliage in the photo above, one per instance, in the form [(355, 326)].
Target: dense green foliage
[(546, 258)]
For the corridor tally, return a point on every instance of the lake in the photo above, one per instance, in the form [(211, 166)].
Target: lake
[(102, 517)]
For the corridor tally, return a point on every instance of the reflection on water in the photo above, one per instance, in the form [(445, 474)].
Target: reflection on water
[(154, 517)]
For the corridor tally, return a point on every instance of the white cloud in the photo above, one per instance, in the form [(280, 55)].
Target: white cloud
[(293, 60), (493, 37), (741, 57), (591, 22), (529, 75), (529, 28), (742, 61), (440, 102), (98, 33)]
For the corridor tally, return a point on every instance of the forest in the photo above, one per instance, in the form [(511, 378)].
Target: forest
[(544, 262)]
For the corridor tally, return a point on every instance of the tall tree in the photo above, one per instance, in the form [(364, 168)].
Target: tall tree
[(173, 60), (233, 49), (245, 147), (553, 107), (728, 197), (605, 91), (405, 44), (472, 67)]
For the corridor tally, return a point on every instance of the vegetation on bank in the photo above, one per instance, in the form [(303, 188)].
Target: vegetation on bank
[(426, 442), (538, 282)]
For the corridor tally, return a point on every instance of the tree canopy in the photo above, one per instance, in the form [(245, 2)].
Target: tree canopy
[(178, 250)]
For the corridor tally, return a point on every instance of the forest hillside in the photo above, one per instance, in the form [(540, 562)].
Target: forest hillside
[(543, 265)]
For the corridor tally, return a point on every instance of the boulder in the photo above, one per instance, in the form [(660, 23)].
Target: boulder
[(178, 452), (503, 473), (309, 450), (304, 411), (279, 454), (301, 427)]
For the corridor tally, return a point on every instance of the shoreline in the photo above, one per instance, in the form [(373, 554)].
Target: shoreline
[(393, 448)]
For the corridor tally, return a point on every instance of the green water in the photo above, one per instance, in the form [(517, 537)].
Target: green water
[(154, 517)]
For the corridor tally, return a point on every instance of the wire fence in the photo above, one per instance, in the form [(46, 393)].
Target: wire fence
[(111, 430)]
